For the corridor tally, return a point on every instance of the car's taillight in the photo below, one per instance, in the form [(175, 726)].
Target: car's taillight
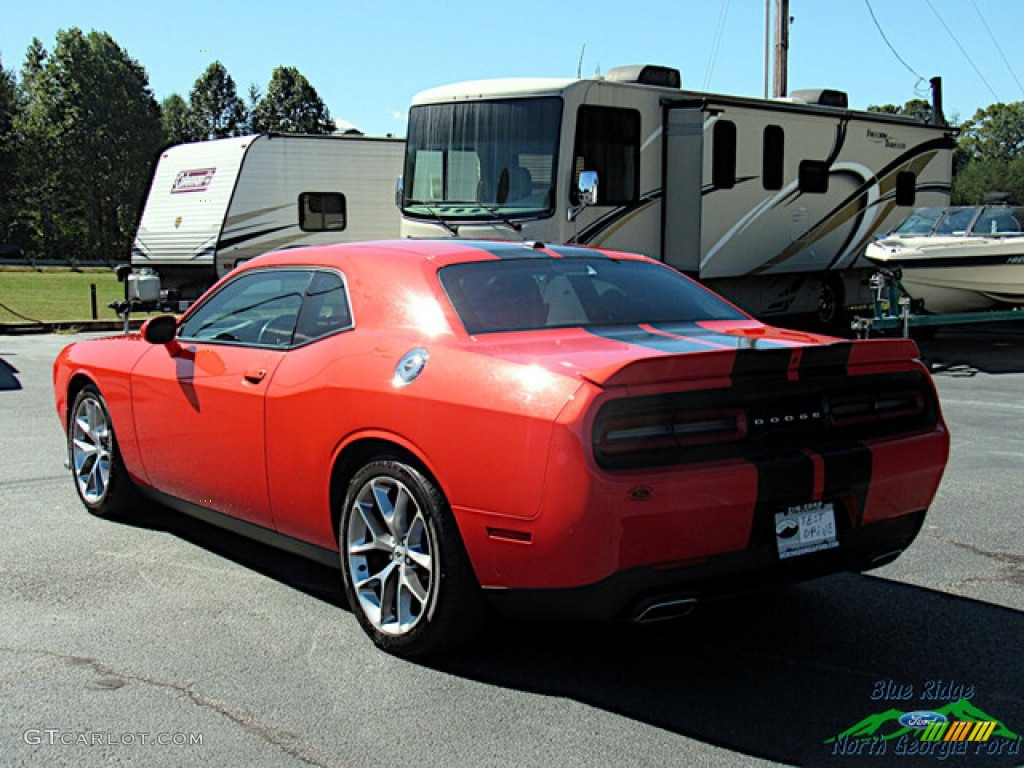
[(865, 408), (643, 436), (757, 418)]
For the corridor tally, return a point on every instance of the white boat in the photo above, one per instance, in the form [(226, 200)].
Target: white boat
[(958, 259)]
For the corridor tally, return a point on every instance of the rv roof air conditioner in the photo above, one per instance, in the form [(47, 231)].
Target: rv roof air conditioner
[(824, 97), (646, 74)]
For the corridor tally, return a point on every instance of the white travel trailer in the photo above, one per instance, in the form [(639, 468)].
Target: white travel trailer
[(214, 204), (771, 202)]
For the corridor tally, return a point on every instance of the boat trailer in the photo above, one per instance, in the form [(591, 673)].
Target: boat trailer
[(894, 310)]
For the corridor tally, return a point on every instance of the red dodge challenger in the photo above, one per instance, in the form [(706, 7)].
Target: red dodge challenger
[(552, 430)]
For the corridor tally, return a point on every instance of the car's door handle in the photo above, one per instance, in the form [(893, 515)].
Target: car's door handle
[(255, 375)]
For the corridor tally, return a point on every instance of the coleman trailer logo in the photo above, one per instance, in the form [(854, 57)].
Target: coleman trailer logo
[(193, 181)]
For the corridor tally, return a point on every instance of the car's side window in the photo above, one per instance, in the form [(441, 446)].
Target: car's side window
[(325, 308), (259, 308)]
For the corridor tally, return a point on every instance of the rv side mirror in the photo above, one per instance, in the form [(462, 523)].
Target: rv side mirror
[(586, 193), (586, 187), (160, 329), (399, 191)]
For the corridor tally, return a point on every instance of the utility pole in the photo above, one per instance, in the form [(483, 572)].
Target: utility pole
[(781, 86), (767, 47)]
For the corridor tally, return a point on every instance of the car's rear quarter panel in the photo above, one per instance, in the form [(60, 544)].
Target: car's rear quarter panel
[(481, 427)]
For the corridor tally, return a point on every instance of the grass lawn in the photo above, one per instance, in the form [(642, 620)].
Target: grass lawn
[(56, 294)]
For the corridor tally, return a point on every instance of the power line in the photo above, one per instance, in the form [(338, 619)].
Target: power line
[(886, 39), (969, 60), (718, 41), (996, 44)]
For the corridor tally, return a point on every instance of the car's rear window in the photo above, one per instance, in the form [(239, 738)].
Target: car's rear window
[(531, 294)]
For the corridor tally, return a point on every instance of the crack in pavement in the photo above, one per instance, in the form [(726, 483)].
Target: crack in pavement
[(1011, 564), (33, 480), (110, 678)]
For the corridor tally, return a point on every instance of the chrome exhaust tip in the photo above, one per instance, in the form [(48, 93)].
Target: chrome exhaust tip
[(664, 610), (884, 559)]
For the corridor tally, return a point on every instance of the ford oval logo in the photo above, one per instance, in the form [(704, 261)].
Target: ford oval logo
[(921, 719)]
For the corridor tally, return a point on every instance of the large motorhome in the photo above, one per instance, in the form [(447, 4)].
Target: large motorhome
[(214, 204), (771, 202)]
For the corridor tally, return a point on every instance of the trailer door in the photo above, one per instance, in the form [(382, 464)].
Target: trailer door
[(684, 153)]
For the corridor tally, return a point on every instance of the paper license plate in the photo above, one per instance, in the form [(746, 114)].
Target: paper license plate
[(805, 528)]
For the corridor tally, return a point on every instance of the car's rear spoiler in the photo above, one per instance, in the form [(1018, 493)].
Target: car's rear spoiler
[(790, 363)]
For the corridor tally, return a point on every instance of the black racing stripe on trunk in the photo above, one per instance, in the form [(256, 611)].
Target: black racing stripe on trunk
[(732, 341), (826, 359), (848, 472), (781, 481), (637, 336), (766, 365)]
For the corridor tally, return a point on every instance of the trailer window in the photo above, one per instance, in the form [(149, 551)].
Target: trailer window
[(723, 158), (608, 141), (773, 157), (322, 212)]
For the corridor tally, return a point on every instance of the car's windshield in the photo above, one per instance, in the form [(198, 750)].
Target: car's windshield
[(482, 160), (531, 294)]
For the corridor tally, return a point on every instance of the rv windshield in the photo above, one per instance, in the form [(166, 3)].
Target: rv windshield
[(482, 160)]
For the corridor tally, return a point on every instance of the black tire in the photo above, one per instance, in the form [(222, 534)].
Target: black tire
[(831, 312), (98, 472), (406, 574)]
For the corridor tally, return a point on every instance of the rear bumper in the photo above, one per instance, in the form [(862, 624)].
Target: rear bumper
[(649, 593)]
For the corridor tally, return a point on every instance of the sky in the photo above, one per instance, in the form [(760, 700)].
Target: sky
[(368, 59)]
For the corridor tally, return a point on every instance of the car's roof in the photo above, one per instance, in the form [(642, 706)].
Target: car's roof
[(441, 251)]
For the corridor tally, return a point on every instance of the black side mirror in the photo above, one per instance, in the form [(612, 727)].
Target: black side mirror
[(160, 329)]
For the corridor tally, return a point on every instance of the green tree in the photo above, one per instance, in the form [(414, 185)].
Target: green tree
[(994, 133), (175, 119), (9, 101), (215, 110), (919, 109), (291, 105), (86, 140), (990, 154)]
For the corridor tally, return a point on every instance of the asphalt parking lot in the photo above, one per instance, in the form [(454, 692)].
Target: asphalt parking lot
[(168, 642)]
